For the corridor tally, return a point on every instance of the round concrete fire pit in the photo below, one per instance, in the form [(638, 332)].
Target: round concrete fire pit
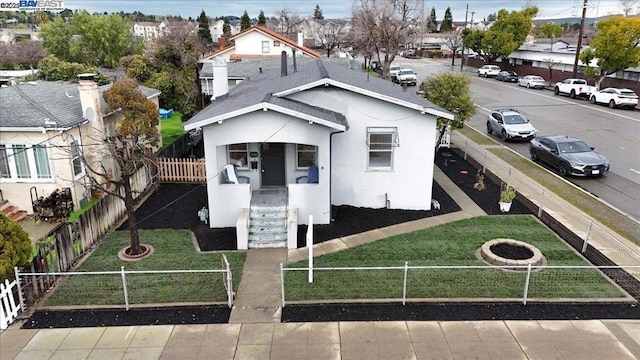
[(509, 252)]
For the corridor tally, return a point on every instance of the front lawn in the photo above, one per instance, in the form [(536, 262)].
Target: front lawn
[(173, 250), (452, 244), (171, 128)]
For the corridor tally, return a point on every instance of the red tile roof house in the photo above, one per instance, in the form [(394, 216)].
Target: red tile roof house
[(373, 143), (44, 127)]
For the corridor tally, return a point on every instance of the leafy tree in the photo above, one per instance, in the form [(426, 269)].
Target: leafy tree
[(137, 67), (52, 69), (226, 28), (452, 92), (492, 17), (262, 20), (550, 29), (432, 22), (129, 147), (204, 34), (245, 21), (15, 247), (317, 13), (447, 22), (504, 36), (615, 47), (383, 27)]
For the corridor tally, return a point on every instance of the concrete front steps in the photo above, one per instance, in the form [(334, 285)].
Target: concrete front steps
[(268, 219), (11, 211)]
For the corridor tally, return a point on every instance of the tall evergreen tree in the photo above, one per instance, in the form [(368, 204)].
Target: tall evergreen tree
[(317, 13), (245, 21), (226, 28), (262, 20), (204, 34), (447, 22), (432, 22)]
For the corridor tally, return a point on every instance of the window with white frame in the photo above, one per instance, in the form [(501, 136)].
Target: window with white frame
[(265, 47), (238, 154), (23, 162), (276, 43), (306, 155), (381, 141), (76, 159)]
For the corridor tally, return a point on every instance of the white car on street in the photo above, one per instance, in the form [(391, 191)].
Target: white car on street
[(532, 81), (615, 97), (489, 70)]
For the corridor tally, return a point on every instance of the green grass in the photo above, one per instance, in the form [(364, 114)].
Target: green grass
[(590, 205), (171, 128), (450, 244), (173, 250), (75, 215)]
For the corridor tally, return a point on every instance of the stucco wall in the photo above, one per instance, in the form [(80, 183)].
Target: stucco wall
[(251, 44)]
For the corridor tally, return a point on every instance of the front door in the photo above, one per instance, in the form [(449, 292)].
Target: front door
[(272, 164)]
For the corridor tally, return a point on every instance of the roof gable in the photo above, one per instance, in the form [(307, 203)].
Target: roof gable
[(272, 34)]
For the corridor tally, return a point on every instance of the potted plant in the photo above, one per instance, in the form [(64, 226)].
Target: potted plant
[(479, 184), (507, 194)]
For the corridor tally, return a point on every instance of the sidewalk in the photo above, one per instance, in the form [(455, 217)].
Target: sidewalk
[(254, 330)]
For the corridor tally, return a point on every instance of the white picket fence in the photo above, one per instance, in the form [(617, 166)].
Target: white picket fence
[(9, 309)]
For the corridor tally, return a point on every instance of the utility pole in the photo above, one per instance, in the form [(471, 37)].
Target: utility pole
[(575, 63), (463, 52)]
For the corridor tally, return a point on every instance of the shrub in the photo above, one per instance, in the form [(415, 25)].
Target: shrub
[(15, 247)]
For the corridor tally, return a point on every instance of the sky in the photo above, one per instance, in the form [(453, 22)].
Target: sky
[(340, 8)]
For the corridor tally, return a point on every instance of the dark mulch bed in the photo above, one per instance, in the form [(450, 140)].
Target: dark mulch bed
[(43, 319)]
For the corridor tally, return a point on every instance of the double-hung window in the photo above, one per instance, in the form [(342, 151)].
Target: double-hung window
[(21, 159), (21, 162), (265, 47), (306, 156), (380, 142), (238, 154), (5, 172), (43, 170), (76, 159)]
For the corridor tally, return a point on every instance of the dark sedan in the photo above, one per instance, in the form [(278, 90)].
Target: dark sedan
[(569, 155), (509, 76)]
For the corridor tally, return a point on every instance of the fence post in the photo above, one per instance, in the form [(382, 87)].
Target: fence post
[(310, 247), (282, 283), (586, 239), (124, 287), (20, 296), (526, 284), (229, 285), (404, 285), (464, 153), (509, 176), (541, 203)]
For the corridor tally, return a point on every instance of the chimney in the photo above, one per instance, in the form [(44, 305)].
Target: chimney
[(222, 43), (283, 64), (300, 39), (295, 66), (220, 77), (89, 96)]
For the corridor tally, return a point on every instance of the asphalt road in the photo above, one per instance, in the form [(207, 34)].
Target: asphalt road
[(613, 132)]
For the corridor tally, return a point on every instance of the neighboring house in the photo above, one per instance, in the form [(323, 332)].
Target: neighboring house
[(44, 128), (372, 142), (147, 30), (545, 51), (258, 41), (10, 35), (315, 33)]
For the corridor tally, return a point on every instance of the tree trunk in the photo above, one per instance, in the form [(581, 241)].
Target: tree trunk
[(131, 213), (453, 58)]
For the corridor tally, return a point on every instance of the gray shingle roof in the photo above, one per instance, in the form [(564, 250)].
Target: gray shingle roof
[(249, 67), (259, 88), (29, 104)]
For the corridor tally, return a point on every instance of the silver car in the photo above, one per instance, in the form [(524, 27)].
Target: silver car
[(532, 81), (510, 125)]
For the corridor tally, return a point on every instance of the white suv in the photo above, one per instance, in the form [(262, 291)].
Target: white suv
[(510, 125), (394, 70), (489, 70)]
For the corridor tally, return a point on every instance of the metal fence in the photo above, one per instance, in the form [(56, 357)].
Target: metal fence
[(125, 287), (461, 283), (587, 229)]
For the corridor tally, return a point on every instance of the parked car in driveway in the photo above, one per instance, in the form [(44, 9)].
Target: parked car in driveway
[(571, 156), (509, 76), (489, 70), (532, 81), (510, 125), (615, 97)]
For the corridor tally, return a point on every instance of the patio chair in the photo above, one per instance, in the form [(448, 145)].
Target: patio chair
[(312, 175), (231, 175)]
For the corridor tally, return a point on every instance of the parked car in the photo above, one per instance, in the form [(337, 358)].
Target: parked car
[(532, 81), (375, 66), (394, 70), (509, 76), (569, 155), (574, 88), (615, 97), (510, 125), (489, 70), (406, 76)]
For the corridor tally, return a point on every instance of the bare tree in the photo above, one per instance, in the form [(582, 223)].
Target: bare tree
[(331, 37), (289, 21), (389, 25), (627, 6), (454, 42), (550, 63)]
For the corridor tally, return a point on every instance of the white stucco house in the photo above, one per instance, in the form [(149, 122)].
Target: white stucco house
[(372, 141)]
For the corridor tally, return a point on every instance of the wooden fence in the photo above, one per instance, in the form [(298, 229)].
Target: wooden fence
[(186, 170)]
